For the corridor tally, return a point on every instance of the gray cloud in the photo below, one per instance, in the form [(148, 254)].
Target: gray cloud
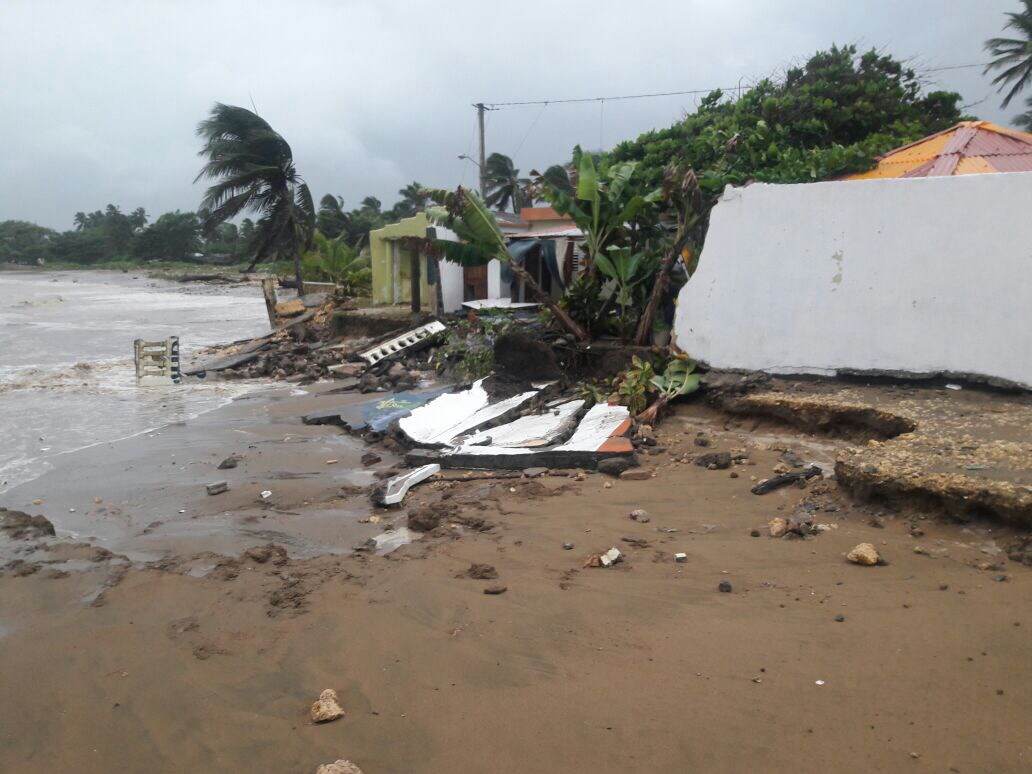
[(100, 99)]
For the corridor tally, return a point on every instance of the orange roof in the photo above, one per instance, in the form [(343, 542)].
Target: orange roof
[(541, 213), (970, 147)]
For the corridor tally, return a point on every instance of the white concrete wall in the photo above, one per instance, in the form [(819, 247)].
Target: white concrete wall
[(494, 280), (924, 275), (451, 285)]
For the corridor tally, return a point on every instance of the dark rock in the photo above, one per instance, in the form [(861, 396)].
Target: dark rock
[(714, 460), (754, 533), (494, 590), (524, 357), (481, 572), (702, 440), (567, 546), (636, 474), (427, 518), (371, 458), (230, 462), (724, 586), (614, 466), (840, 618), (21, 525), (218, 487), (269, 552)]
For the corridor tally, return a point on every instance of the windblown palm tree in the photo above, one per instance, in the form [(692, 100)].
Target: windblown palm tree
[(504, 185), (413, 199), (1024, 120), (1013, 56), (254, 169)]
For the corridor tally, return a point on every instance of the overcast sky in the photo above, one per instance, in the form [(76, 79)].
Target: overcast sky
[(99, 100)]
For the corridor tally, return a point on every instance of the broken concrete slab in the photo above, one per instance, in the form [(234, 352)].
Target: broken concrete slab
[(600, 434), (395, 489), (406, 342), (375, 414), (441, 421), (531, 431)]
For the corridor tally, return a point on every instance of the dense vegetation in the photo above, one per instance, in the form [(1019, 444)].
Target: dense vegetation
[(829, 117), (110, 236)]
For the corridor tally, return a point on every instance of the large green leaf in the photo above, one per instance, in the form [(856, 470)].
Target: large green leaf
[(587, 180)]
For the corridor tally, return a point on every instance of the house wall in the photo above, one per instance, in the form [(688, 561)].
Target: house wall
[(925, 275), (380, 256), (451, 286)]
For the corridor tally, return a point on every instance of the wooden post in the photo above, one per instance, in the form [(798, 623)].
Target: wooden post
[(414, 280), (269, 291), (433, 274)]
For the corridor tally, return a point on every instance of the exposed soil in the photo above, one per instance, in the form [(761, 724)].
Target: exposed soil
[(208, 662)]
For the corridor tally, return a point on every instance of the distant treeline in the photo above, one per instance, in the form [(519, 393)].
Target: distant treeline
[(110, 235)]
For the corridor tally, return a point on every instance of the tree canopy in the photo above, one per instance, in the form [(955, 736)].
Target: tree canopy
[(829, 117)]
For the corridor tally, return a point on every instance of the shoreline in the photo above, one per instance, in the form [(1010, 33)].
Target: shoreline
[(661, 670)]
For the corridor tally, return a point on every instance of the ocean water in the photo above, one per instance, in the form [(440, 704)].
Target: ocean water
[(67, 379)]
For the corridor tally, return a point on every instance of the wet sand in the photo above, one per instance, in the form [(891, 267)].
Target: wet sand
[(645, 666)]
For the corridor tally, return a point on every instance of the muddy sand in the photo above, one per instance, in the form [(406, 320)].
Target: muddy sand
[(142, 639)]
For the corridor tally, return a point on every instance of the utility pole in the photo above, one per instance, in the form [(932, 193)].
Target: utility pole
[(480, 123)]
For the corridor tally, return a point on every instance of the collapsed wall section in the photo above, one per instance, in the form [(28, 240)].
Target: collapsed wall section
[(926, 276)]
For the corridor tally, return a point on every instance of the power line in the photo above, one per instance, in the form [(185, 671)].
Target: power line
[(649, 95)]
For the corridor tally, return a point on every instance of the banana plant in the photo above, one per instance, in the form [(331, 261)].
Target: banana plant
[(465, 213), (625, 272), (602, 204), (676, 380)]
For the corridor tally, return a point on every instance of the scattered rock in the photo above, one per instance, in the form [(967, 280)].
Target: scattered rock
[(427, 518), (778, 527), (291, 308), (218, 487), (724, 586), (230, 462), (338, 767), (495, 590), (636, 474), (481, 572), (754, 533), (864, 554), (370, 458), (614, 466), (1020, 550), (680, 557), (840, 618), (269, 552), (19, 525), (714, 460), (534, 472), (567, 546), (701, 439), (327, 707), (640, 516)]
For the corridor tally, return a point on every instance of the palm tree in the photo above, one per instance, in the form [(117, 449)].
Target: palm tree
[(1024, 120), (1013, 55), (503, 183), (413, 199), (335, 260), (371, 204), (254, 169)]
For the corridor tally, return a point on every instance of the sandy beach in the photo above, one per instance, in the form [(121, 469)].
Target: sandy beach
[(193, 653)]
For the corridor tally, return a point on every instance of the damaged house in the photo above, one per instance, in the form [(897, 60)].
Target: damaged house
[(404, 273)]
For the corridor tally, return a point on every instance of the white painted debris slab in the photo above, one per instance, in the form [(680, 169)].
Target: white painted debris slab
[(398, 486), (402, 342), (916, 275), (529, 431), (157, 362), (680, 557), (594, 430), (446, 417)]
